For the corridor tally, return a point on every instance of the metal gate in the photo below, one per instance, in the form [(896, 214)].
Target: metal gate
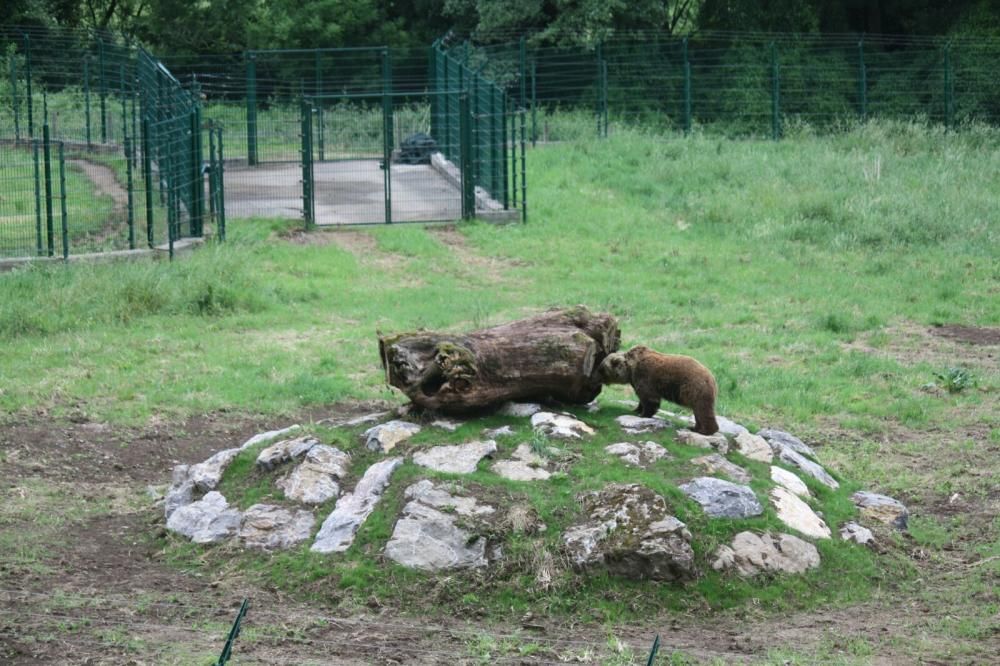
[(371, 159)]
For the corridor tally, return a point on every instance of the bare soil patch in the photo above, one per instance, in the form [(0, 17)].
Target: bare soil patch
[(974, 335), (911, 344), (492, 268)]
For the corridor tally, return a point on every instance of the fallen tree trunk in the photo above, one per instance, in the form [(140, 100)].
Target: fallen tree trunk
[(552, 356)]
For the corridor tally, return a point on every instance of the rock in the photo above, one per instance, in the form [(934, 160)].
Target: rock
[(520, 409), (285, 450), (374, 417), (560, 426), (593, 407), (754, 447), (630, 533), (731, 428), (789, 481), (783, 438), (751, 554), (457, 459), (264, 436), (638, 455), (338, 530), (525, 465), (861, 535), (503, 431), (180, 492), (684, 420), (206, 475), (716, 441), (430, 539), (795, 513), (716, 464), (268, 527), (796, 459), (882, 508), (317, 478), (445, 424), (722, 499), (209, 520), (384, 438), (635, 425)]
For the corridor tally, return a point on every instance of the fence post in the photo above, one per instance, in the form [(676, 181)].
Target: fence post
[(121, 93), (513, 152), (307, 183), (86, 96), (522, 52), (465, 152), (62, 203), (103, 92), (687, 88), (129, 182), (47, 157), (27, 71), (534, 102), (862, 80), (501, 158), (251, 59), (147, 174), (197, 182), (949, 101), (38, 197), (221, 184), (387, 90), (600, 88), (387, 154), (13, 96), (524, 176), (775, 94)]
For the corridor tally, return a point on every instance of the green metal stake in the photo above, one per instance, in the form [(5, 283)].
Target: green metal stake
[(534, 102), (523, 70), (234, 633), (62, 202), (321, 130), (129, 148), (103, 92), (949, 102), (600, 91), (251, 59), (775, 95), (38, 197), (512, 137), (307, 173), (212, 166), (147, 174), (687, 88), (221, 183), (47, 157), (501, 159), (13, 98), (862, 80), (86, 95), (121, 94), (27, 68), (465, 131), (524, 174), (387, 154), (652, 653)]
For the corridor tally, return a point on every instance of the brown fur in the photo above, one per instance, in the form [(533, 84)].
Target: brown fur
[(655, 376)]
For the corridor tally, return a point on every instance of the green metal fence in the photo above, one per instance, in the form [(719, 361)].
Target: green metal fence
[(101, 149)]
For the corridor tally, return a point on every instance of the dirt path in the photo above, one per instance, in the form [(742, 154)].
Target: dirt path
[(105, 183)]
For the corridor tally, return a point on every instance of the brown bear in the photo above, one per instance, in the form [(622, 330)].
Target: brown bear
[(679, 379)]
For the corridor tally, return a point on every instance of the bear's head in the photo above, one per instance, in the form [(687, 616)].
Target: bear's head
[(615, 369)]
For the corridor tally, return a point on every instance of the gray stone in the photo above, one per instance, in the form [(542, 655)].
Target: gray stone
[(384, 438), (560, 426), (786, 439), (456, 459), (727, 427), (795, 513), (265, 436), (635, 425), (525, 465), (209, 520), (754, 447), (789, 481), (317, 478), (430, 535), (716, 441), (882, 508), (284, 451), (338, 530), (630, 533), (180, 492), (751, 554), (445, 424), (860, 535), (520, 409), (502, 431), (722, 499), (796, 459), (374, 417), (638, 455), (269, 527), (683, 420), (716, 464), (206, 475)]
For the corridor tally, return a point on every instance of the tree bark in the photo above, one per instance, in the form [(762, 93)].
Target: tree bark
[(552, 356)]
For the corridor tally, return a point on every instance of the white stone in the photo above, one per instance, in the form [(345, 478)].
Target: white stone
[(180, 492), (638, 455), (560, 426), (268, 527), (384, 438), (520, 409), (882, 508), (715, 464), (716, 441), (860, 535), (754, 447), (502, 431), (751, 554), (795, 513), (525, 465), (445, 424), (456, 459), (206, 475), (796, 459), (780, 437), (727, 427), (635, 425), (209, 520), (441, 497), (284, 451), (317, 478), (265, 436), (338, 530), (789, 481)]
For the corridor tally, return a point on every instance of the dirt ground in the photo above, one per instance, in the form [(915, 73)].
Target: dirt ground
[(83, 581)]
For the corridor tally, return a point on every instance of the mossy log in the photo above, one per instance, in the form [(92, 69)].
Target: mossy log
[(552, 356)]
